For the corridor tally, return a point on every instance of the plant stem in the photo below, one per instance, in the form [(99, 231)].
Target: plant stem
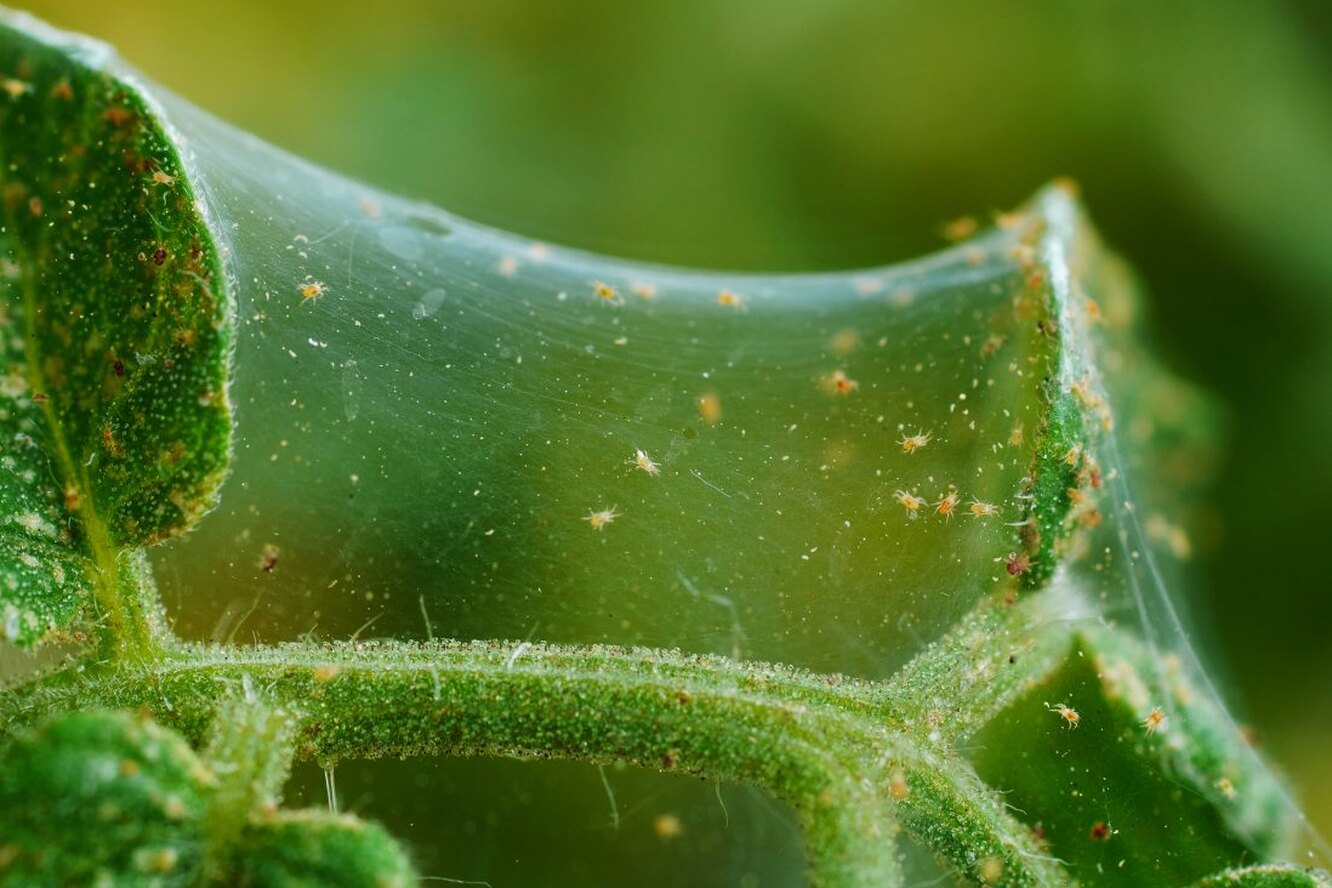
[(855, 763)]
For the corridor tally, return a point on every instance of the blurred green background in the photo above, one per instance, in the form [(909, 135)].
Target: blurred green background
[(785, 135)]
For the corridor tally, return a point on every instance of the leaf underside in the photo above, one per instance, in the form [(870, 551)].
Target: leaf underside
[(114, 334)]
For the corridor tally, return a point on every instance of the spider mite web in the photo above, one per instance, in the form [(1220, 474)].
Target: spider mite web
[(1141, 550), (528, 442)]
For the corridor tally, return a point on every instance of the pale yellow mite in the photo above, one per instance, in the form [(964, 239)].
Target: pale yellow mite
[(600, 518), (1154, 721), (912, 443), (948, 504), (983, 510), (1067, 713), (640, 460), (311, 290), (909, 501), (730, 299), (605, 292), (841, 384)]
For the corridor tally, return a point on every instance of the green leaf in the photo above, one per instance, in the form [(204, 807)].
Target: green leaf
[(100, 798), (115, 339), (1097, 789), (108, 798), (313, 849), (1270, 876)]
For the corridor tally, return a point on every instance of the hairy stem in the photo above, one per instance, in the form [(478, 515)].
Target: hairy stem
[(855, 763)]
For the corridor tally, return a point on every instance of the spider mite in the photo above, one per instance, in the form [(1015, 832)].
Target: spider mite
[(268, 559), (310, 290), (959, 229), (909, 501), (912, 443), (1067, 713), (979, 509), (1154, 721), (838, 383), (948, 504), (606, 293), (599, 519), (1018, 563), (730, 299), (641, 460)]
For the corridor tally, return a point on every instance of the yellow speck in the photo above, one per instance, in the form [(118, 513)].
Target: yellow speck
[(709, 407), (667, 827), (731, 299), (1068, 185), (643, 290), (15, 87), (959, 229), (991, 870), (370, 207), (897, 786), (844, 342), (325, 674), (868, 286), (606, 293), (161, 178), (161, 860), (508, 266)]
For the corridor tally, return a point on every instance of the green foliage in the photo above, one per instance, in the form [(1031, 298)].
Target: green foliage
[(115, 338), (310, 850), (105, 798), (1272, 876), (970, 522), (102, 799)]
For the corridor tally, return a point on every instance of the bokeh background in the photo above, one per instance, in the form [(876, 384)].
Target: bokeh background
[(836, 133)]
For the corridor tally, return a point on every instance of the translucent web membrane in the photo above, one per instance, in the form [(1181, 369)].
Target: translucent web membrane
[(452, 431), (449, 431), (1148, 456)]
